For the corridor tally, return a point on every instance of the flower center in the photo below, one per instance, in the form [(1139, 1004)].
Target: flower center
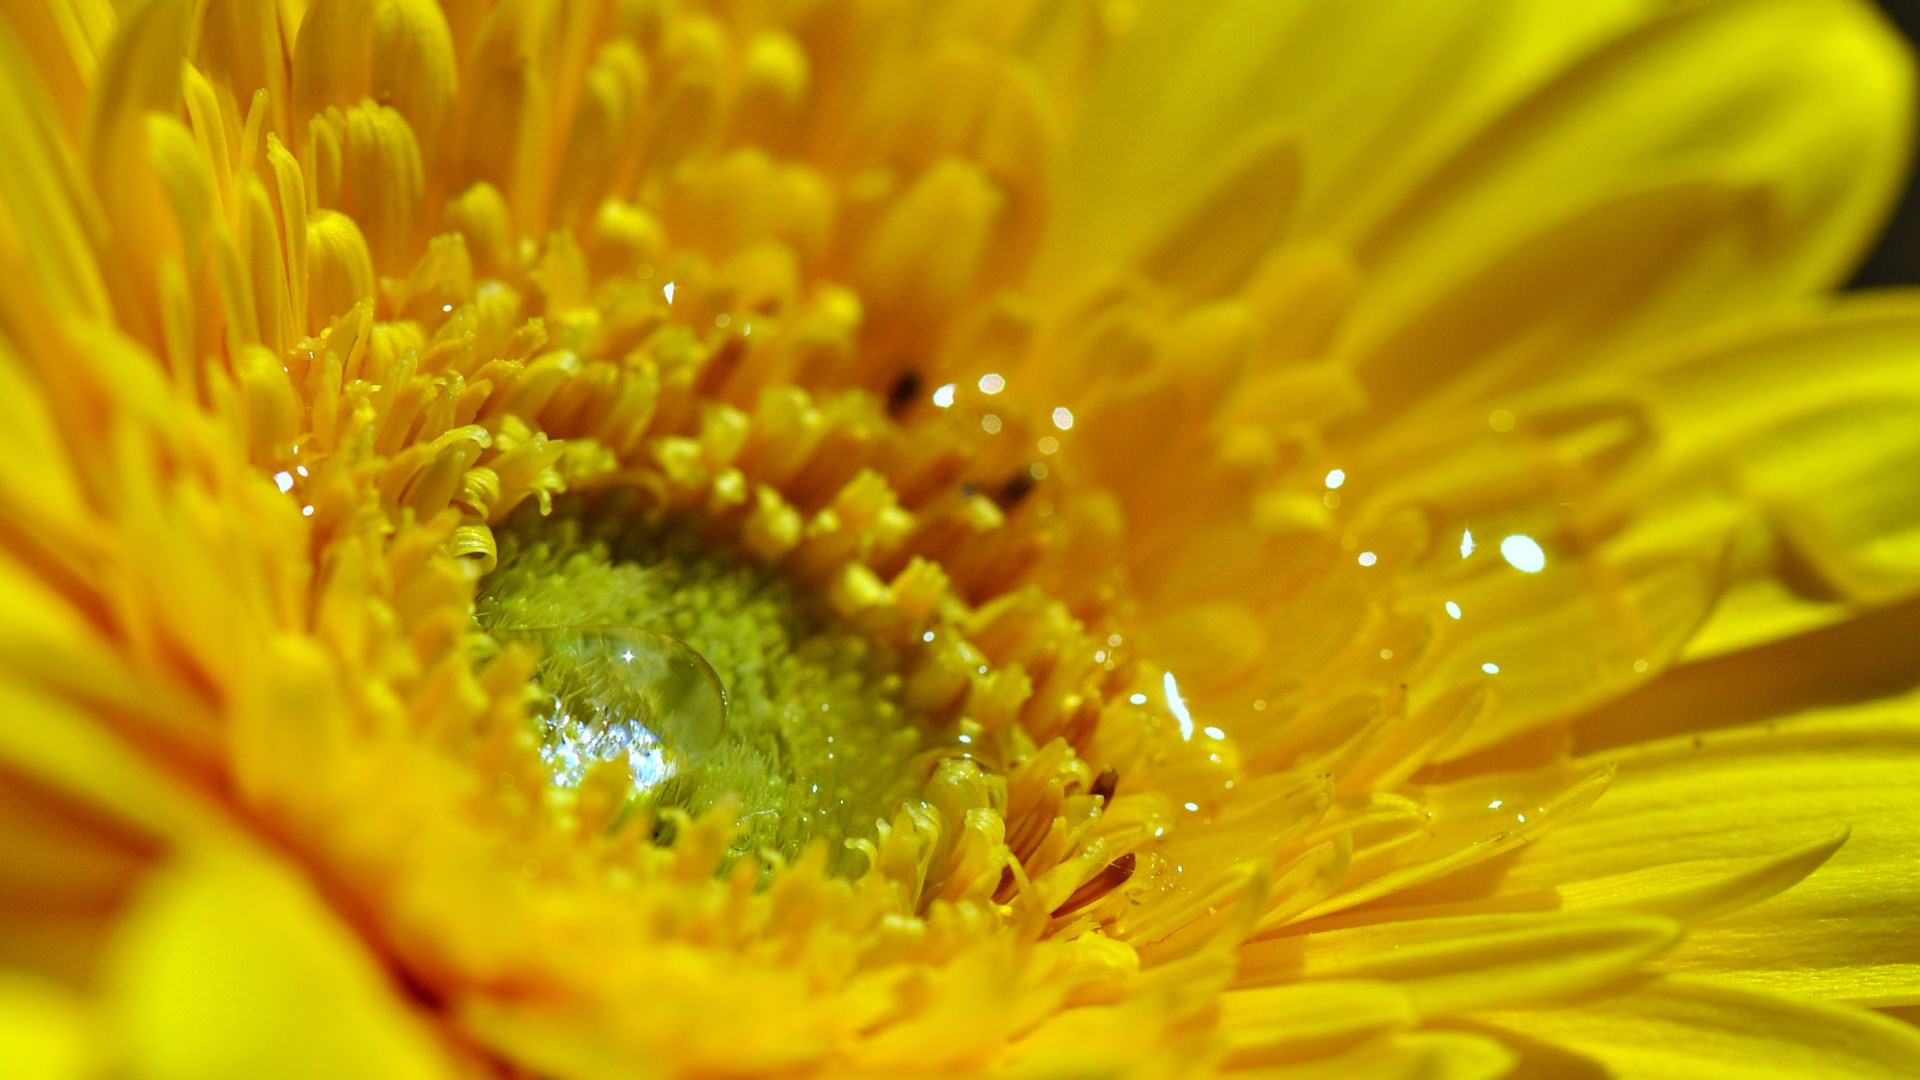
[(710, 674)]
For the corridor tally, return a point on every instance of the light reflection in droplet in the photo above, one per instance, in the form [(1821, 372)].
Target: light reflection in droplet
[(1214, 733), (1466, 543), (1523, 553), (1368, 558), (1178, 705), (1063, 418), (283, 481), (1453, 610), (943, 397), (1336, 477), (624, 692), (1490, 668), (667, 291), (1495, 804), (992, 383), (1191, 807), (1137, 698)]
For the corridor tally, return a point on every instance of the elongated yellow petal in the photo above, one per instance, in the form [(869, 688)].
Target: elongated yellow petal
[(1847, 933), (1297, 1020), (1778, 64), (1421, 1055), (1679, 1029), (1190, 89), (1471, 962)]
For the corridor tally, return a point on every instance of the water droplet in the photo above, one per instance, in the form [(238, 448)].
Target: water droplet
[(624, 691), (1523, 553), (1177, 705)]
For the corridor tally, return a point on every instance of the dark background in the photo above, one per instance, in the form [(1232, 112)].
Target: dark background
[(1897, 260)]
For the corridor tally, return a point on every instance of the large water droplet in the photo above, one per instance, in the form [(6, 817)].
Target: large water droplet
[(623, 691)]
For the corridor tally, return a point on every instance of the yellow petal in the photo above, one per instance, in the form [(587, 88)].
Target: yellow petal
[(1622, 269), (1697, 889), (1821, 92), (1296, 1020), (1850, 931), (1453, 964), (46, 214), (45, 1030), (1191, 88), (77, 756), (1684, 1029), (218, 971), (1418, 1055), (1856, 658)]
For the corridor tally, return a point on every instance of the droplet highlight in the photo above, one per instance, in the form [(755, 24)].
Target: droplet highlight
[(624, 692)]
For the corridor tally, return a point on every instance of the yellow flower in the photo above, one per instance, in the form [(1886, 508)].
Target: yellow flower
[(869, 537)]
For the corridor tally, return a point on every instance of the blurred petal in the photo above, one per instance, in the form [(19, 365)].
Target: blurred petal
[(242, 949)]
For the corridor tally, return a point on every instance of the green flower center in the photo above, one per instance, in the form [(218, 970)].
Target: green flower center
[(811, 738)]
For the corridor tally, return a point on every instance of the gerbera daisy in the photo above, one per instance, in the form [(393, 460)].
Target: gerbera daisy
[(835, 537)]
